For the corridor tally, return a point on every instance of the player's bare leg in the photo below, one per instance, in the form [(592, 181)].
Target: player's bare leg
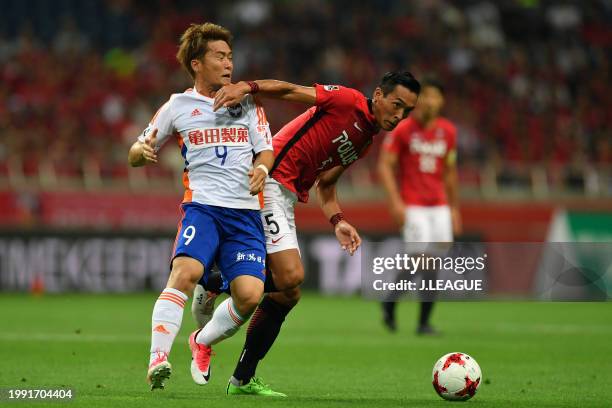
[(185, 274), (227, 318), (287, 269), (168, 315)]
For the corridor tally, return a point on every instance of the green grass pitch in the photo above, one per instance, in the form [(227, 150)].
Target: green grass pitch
[(332, 352)]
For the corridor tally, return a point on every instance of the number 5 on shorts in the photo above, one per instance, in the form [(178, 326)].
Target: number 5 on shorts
[(275, 229), (189, 234)]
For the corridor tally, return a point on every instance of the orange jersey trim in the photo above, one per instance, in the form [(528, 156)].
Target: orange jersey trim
[(260, 196), (261, 113), (188, 196)]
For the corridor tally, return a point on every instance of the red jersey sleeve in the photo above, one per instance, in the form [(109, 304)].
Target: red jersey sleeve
[(333, 96)]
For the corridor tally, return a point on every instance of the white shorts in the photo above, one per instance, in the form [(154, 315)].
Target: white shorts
[(427, 224), (278, 217)]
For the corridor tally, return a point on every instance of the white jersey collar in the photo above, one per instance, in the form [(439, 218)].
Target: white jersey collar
[(206, 98)]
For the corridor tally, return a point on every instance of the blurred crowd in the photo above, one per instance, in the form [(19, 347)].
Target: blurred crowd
[(527, 81)]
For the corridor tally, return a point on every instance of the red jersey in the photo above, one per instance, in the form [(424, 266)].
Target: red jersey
[(422, 155), (334, 132)]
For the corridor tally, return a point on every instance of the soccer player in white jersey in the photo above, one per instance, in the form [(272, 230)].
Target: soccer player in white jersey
[(220, 211)]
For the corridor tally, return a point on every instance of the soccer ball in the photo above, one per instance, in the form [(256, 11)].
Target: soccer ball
[(456, 377)]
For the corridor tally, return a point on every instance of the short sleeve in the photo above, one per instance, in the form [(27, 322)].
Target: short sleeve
[(163, 122), (259, 127), (334, 96)]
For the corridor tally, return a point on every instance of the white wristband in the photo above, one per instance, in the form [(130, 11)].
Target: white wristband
[(263, 168)]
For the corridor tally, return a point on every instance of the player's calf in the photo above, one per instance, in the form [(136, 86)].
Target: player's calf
[(288, 298)]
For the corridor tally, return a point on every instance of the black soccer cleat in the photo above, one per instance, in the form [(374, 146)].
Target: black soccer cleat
[(427, 330)]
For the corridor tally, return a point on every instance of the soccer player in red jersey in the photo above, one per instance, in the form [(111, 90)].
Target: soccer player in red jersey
[(426, 204), (313, 149)]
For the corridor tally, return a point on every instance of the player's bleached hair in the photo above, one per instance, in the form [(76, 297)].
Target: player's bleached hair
[(404, 78), (194, 42)]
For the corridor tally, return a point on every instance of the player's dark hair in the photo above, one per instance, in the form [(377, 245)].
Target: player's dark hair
[(404, 78), (433, 82), (194, 42)]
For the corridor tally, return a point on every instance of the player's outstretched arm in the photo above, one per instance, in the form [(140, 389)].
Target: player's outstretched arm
[(257, 175), (231, 95), (346, 234), (451, 183), (143, 153)]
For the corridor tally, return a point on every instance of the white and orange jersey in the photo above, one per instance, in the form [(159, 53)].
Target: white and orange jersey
[(218, 147)]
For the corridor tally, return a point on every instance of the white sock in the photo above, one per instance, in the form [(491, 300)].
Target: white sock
[(166, 321), (225, 323)]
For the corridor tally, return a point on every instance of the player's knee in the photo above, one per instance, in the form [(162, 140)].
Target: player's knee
[(290, 277), (246, 303), (296, 279), (182, 280), (246, 293), (185, 274)]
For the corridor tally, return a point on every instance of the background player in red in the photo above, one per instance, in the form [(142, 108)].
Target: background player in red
[(426, 203), (313, 149)]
